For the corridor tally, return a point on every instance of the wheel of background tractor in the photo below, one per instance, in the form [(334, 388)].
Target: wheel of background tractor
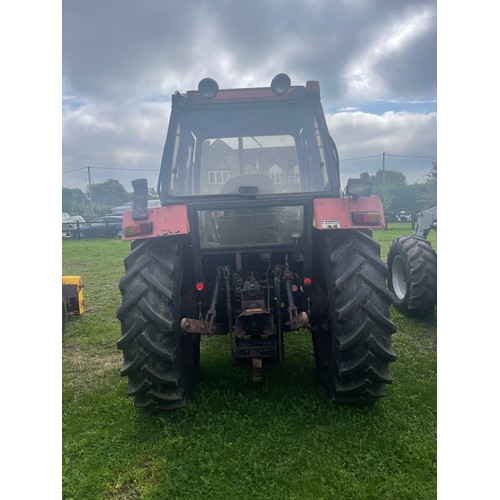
[(161, 363), (412, 278), (352, 329)]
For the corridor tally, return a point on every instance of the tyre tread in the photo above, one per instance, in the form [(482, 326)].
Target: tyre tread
[(158, 378), (420, 262), (360, 326)]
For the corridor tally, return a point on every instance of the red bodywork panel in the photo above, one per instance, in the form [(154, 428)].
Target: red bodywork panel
[(336, 213), (328, 213), (166, 221)]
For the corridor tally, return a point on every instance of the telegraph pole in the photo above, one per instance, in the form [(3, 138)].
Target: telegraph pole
[(90, 191), (88, 168)]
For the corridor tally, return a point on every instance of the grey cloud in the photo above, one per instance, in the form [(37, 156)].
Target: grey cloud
[(407, 138), (130, 140), (122, 59), (118, 48), (412, 73)]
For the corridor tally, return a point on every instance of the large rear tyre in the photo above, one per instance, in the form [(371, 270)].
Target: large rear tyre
[(352, 329), (412, 275), (160, 361)]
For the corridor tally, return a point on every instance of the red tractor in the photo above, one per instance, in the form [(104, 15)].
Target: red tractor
[(254, 239)]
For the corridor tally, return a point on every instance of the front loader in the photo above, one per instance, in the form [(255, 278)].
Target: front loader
[(255, 240)]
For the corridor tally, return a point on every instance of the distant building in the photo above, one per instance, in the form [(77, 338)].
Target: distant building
[(220, 162)]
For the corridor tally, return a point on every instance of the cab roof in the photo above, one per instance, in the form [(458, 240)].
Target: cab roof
[(240, 95)]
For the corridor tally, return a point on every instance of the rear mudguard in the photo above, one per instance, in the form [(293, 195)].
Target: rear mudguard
[(337, 213), (161, 221)]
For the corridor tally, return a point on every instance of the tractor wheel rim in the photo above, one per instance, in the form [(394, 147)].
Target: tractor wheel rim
[(399, 277)]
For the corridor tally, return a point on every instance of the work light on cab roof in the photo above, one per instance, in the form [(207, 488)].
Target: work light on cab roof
[(209, 88), (280, 84)]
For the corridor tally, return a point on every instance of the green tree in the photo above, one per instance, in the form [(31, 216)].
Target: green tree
[(109, 193), (386, 197), (396, 195), (428, 198), (433, 174), (385, 185), (406, 198), (389, 178), (152, 194), (74, 201)]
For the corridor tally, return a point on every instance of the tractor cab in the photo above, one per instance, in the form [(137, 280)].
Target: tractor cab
[(248, 142), (247, 164)]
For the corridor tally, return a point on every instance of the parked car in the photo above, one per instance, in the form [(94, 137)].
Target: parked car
[(67, 224), (109, 226), (78, 218)]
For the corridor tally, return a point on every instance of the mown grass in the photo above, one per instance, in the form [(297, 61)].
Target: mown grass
[(281, 439)]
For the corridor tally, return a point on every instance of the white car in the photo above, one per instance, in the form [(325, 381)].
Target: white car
[(70, 222), (67, 224), (78, 218)]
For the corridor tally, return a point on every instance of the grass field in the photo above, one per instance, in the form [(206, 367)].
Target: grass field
[(281, 439)]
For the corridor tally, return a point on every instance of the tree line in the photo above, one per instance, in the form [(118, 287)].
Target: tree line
[(390, 185), (98, 200), (397, 196)]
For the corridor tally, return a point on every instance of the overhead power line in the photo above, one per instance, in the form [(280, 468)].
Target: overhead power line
[(157, 169), (361, 157), (412, 156), (113, 168), (388, 154)]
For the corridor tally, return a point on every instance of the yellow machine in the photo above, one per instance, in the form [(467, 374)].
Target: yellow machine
[(72, 297), (72, 292)]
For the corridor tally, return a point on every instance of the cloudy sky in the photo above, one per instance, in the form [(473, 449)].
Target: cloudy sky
[(122, 59)]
